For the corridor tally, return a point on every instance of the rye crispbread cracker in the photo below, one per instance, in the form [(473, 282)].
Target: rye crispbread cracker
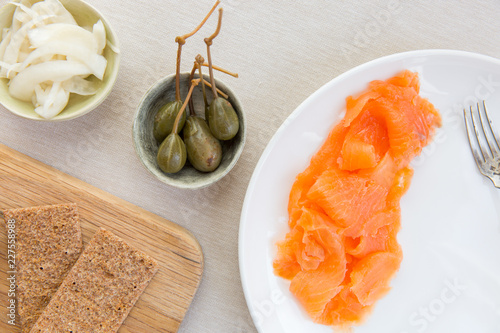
[(48, 242), (101, 288)]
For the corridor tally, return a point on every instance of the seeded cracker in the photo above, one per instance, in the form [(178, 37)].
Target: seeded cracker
[(48, 243), (101, 288)]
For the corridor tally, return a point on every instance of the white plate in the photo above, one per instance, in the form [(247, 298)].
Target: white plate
[(449, 280)]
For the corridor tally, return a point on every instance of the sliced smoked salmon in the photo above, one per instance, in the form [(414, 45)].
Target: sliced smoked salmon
[(341, 251)]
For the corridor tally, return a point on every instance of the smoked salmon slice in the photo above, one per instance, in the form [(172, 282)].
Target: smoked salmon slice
[(341, 251)]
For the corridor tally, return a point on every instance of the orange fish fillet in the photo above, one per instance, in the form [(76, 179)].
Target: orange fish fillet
[(341, 251)]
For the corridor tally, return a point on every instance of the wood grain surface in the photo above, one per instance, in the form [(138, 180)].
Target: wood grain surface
[(26, 182)]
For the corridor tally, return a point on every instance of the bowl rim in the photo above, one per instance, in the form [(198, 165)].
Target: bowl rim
[(113, 75), (163, 177)]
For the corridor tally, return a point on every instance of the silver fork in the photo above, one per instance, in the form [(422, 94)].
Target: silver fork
[(484, 142)]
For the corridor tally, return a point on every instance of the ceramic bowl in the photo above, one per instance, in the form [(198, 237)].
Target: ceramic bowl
[(146, 146), (85, 15)]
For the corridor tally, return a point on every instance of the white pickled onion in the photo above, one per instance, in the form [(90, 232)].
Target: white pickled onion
[(3, 45), (55, 102), (80, 86), (11, 54), (99, 33), (54, 7), (96, 63), (62, 32), (22, 86)]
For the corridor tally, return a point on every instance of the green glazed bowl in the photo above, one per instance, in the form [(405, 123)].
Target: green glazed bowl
[(85, 15), (146, 146)]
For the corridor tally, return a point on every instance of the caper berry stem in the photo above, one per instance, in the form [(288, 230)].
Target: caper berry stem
[(194, 83), (181, 40), (211, 72), (193, 71), (221, 70), (199, 62), (205, 82), (218, 90), (186, 36), (178, 73), (191, 77), (208, 41)]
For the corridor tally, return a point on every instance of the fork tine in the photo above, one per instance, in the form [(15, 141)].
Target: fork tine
[(476, 135), (488, 165), (493, 149), (489, 142), (472, 141)]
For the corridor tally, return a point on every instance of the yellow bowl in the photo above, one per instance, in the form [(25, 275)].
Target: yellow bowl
[(85, 15)]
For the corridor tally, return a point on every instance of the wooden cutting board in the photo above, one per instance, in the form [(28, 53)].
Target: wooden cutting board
[(27, 182)]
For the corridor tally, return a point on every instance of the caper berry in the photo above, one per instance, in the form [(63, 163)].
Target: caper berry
[(171, 154), (204, 151)]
